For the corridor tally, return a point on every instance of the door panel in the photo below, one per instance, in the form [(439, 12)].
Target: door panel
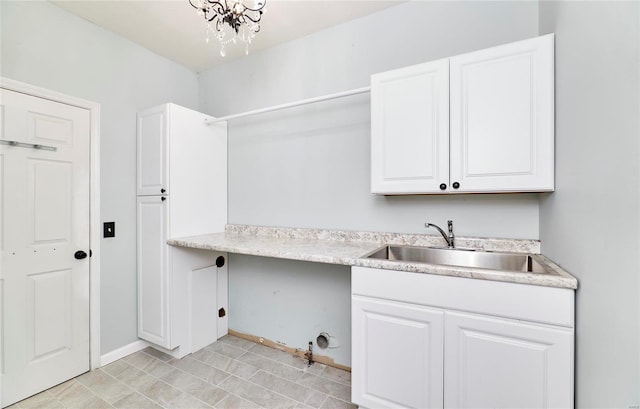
[(502, 118), (203, 307), (152, 173), (410, 129), (49, 316), (153, 275), (48, 128), (497, 363), (44, 221), (397, 354), (50, 201)]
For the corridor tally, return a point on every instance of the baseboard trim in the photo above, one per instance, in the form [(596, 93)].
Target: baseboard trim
[(121, 352), (301, 353)]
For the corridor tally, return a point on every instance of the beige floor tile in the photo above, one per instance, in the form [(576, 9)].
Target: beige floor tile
[(158, 368), (333, 403), (210, 394), (38, 402), (160, 392), (257, 394), (217, 360), (271, 366), (95, 403), (316, 368), (187, 401), (337, 375), (302, 406), (157, 354), (316, 399), (237, 342), (135, 378), (75, 394), (235, 402), (136, 401), (200, 369), (324, 385), (241, 370), (201, 355), (184, 381), (58, 389), (278, 355), (282, 386), (139, 359), (225, 349), (110, 389), (94, 377), (116, 368)]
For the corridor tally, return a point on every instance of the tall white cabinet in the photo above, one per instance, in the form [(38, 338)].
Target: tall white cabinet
[(182, 191), (476, 122)]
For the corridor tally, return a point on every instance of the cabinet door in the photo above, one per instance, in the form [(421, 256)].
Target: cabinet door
[(153, 275), (502, 118), (152, 172), (496, 363), (397, 353), (410, 129)]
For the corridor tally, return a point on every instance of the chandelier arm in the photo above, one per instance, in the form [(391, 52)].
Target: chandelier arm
[(257, 20), (258, 9), (214, 3)]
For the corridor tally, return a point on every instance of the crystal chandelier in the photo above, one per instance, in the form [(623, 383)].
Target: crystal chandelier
[(230, 21)]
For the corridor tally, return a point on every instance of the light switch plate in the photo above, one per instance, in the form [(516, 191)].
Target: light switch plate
[(109, 229)]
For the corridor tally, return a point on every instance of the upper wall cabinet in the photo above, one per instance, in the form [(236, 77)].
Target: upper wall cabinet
[(488, 128), (153, 178), (410, 129)]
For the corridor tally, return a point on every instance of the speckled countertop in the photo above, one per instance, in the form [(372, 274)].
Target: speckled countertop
[(350, 247)]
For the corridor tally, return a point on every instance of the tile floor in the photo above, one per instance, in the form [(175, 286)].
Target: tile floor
[(231, 373)]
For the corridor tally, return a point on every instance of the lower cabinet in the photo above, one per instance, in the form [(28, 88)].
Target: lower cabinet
[(423, 341), (182, 295), (398, 353), (497, 363)]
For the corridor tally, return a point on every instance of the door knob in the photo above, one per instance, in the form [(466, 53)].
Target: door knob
[(79, 255)]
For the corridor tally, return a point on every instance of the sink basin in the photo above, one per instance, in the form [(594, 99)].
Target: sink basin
[(460, 258)]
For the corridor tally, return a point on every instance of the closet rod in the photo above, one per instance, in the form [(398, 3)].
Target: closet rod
[(290, 104)]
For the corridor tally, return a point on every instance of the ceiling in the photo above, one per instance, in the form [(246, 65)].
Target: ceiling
[(172, 28)]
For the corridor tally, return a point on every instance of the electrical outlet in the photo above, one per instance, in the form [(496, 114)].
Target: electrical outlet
[(109, 229)]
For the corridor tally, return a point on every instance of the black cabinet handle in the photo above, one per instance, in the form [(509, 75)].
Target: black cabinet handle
[(79, 255), (219, 261), (163, 198), (443, 186), (455, 185), (163, 190)]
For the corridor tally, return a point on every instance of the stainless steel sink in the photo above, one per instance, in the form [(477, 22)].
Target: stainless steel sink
[(460, 258)]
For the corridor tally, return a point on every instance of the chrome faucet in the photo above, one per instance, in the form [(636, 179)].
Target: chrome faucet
[(450, 238)]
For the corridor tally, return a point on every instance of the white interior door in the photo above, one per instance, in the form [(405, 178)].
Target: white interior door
[(44, 212)]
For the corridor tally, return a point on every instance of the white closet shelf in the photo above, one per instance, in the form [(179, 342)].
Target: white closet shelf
[(290, 105)]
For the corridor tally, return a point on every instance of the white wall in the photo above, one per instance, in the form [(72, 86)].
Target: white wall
[(591, 224), (43, 45), (309, 167)]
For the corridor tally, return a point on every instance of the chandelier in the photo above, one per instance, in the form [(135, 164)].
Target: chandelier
[(230, 21)]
